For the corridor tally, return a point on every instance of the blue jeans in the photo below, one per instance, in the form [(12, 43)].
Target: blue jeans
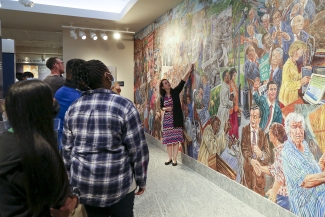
[(283, 201)]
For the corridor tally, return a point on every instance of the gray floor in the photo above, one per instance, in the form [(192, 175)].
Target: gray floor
[(181, 192)]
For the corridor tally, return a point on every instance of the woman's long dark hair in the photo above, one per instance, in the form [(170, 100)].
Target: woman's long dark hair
[(90, 74), (29, 106), (162, 92)]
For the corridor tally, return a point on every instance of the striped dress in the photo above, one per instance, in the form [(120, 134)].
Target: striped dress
[(171, 135)]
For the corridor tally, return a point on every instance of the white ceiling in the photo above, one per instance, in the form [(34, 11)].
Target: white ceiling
[(36, 29)]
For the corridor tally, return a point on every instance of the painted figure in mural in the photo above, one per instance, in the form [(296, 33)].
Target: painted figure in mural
[(253, 18), (305, 177), (226, 101), (278, 193), (280, 33), (251, 69), (287, 7), (255, 147), (292, 80), (205, 93), (268, 45), (170, 103), (306, 8), (224, 57), (276, 67), (297, 25), (270, 110), (266, 22), (253, 37), (213, 140), (235, 111)]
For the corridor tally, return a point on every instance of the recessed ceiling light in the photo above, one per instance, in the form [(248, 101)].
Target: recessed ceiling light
[(117, 35)]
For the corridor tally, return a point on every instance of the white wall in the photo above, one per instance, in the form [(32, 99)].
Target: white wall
[(110, 52)]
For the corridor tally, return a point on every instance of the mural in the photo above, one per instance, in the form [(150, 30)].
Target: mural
[(256, 97)]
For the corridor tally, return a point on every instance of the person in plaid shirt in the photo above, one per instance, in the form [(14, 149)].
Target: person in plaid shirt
[(104, 147)]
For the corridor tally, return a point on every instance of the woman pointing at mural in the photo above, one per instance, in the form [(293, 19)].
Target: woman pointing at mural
[(173, 117)]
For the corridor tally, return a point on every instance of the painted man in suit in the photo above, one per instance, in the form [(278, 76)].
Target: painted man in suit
[(255, 148), (297, 25), (251, 69), (276, 67), (280, 33), (270, 110)]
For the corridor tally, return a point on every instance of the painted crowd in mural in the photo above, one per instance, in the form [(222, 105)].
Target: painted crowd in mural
[(253, 107)]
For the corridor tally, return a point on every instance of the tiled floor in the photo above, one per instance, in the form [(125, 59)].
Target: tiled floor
[(181, 192)]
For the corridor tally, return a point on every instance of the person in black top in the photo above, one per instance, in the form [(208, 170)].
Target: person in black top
[(173, 117), (33, 180)]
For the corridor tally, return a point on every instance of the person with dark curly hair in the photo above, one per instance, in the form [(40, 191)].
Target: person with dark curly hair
[(103, 145)]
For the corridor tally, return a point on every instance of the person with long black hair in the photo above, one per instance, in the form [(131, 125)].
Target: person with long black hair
[(33, 179), (104, 146)]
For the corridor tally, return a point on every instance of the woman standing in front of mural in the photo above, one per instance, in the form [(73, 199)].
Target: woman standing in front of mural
[(292, 80), (173, 117)]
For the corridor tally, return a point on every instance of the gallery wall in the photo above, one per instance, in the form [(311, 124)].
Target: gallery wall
[(253, 63)]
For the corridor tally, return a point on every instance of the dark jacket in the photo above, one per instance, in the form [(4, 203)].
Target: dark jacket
[(13, 201), (177, 109)]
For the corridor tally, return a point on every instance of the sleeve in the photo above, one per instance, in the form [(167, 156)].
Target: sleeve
[(161, 102), (244, 145), (136, 144), (180, 86), (293, 167), (67, 142), (289, 83), (258, 99)]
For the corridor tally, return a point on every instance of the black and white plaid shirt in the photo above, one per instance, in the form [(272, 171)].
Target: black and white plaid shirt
[(103, 147)]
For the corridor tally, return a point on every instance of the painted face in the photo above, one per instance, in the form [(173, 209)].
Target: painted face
[(271, 92), (255, 118), (276, 58), (297, 133), (299, 22), (216, 126), (277, 19), (266, 23), (251, 54), (227, 77), (300, 52), (268, 40), (234, 76)]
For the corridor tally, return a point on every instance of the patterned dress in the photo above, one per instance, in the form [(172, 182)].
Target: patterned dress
[(171, 135)]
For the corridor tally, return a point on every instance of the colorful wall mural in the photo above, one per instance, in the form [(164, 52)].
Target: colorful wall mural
[(256, 95)]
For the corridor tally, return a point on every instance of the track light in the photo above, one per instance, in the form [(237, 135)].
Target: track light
[(26, 3), (117, 35), (93, 35), (73, 34), (82, 34), (103, 36)]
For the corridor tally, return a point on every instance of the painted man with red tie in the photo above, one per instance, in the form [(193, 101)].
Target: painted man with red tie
[(269, 107), (255, 149)]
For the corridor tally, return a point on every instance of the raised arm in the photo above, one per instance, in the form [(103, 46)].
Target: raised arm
[(187, 75)]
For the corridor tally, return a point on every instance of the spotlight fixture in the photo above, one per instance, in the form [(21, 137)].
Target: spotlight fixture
[(103, 36), (27, 3), (73, 34), (93, 35), (117, 35), (1, 4), (82, 34)]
